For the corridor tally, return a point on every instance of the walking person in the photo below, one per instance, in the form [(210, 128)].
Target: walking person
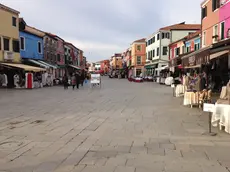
[(65, 81), (82, 78), (77, 76), (73, 81)]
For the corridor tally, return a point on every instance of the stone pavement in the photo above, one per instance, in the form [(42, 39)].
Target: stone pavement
[(122, 127)]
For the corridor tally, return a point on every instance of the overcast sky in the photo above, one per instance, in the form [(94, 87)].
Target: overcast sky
[(102, 27)]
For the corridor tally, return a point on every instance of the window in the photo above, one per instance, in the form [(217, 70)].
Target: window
[(148, 42), (163, 35), (16, 46), (158, 51), (204, 12), (197, 46), (6, 44), (39, 47), (188, 49), (138, 60), (158, 36), (215, 34), (165, 50), (22, 43), (153, 39), (215, 4), (149, 55), (153, 53), (139, 48), (177, 51), (222, 25), (58, 57), (168, 35), (203, 39), (14, 21), (183, 49)]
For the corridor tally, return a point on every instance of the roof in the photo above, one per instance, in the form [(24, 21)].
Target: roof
[(9, 9), (34, 31), (182, 26), (140, 40), (22, 20)]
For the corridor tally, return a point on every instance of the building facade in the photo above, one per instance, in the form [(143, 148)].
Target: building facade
[(9, 35), (225, 19), (31, 43), (138, 56), (60, 51), (157, 50), (50, 48)]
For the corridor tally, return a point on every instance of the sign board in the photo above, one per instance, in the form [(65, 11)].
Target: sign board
[(208, 107), (191, 60), (95, 78)]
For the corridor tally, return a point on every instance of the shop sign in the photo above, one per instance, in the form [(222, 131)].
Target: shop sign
[(191, 60)]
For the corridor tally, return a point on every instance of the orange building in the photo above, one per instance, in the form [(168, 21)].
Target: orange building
[(116, 61), (138, 56), (210, 22)]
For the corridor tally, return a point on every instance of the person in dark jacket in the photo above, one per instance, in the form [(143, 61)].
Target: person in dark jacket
[(65, 81), (77, 76), (82, 78)]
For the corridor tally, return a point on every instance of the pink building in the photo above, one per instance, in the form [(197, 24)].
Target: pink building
[(224, 14)]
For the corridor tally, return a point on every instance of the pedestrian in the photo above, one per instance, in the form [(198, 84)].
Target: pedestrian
[(73, 81), (65, 81), (77, 76), (82, 78)]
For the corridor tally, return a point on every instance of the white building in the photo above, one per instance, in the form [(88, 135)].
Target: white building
[(157, 45)]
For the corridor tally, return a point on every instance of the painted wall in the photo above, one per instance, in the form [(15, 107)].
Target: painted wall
[(61, 51), (225, 16), (172, 51), (50, 49), (31, 46), (135, 53), (9, 31), (209, 21), (179, 34)]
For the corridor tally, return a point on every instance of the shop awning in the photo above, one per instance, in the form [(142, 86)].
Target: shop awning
[(75, 67), (24, 67), (47, 64), (215, 55), (38, 63)]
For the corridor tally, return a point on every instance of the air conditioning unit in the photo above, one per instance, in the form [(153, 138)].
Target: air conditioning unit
[(8, 55)]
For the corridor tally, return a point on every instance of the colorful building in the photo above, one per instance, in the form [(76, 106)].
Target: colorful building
[(138, 56), (31, 43), (182, 47), (157, 50), (9, 35), (60, 61)]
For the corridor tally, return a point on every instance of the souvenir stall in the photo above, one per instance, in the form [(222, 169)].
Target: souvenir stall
[(195, 79), (164, 72)]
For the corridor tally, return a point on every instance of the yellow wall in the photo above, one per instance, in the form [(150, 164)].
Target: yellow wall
[(9, 31)]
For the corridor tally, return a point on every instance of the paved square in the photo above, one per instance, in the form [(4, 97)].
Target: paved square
[(122, 127)]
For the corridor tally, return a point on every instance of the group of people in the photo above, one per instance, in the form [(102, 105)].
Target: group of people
[(75, 80)]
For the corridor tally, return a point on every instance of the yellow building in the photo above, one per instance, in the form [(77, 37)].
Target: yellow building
[(9, 35)]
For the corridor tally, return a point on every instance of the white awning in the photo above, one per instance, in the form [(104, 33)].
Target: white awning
[(191, 67), (215, 55), (38, 63), (162, 68), (47, 64)]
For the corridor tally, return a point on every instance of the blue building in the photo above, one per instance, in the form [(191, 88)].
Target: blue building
[(31, 44), (193, 42)]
